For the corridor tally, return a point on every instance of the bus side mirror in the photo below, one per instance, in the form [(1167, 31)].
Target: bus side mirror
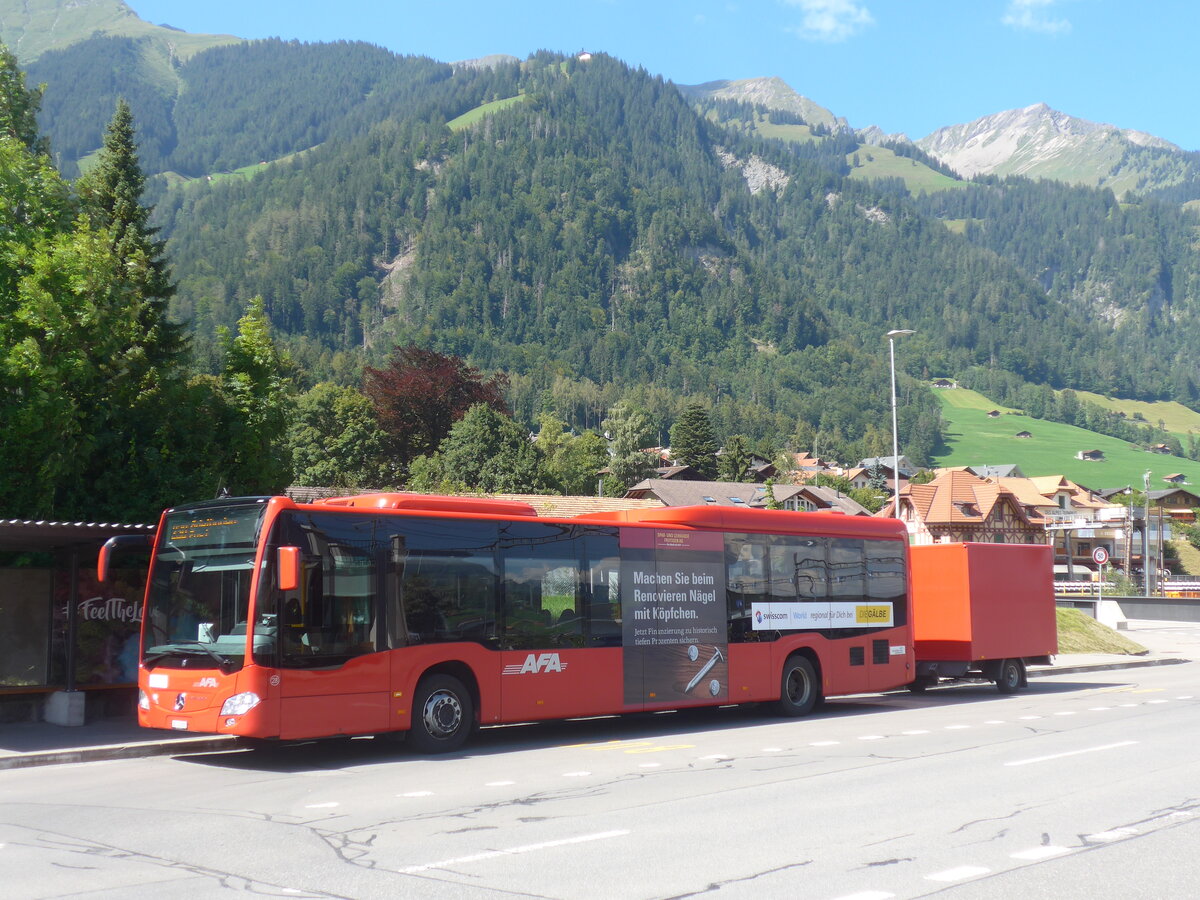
[(120, 542), (289, 568)]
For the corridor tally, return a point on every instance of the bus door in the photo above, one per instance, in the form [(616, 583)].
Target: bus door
[(560, 643), (333, 680)]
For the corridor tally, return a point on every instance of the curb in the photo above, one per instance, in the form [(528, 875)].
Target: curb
[(118, 751), (1043, 671)]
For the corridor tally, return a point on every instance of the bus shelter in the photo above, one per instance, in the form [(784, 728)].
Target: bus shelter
[(66, 637)]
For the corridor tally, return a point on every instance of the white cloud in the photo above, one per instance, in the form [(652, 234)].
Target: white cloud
[(830, 20), (1034, 15)]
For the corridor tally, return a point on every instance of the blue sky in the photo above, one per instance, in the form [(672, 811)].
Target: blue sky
[(905, 65)]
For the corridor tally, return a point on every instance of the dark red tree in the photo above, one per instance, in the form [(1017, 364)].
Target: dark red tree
[(420, 394)]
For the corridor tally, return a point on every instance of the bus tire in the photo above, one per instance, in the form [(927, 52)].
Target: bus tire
[(443, 715), (799, 689), (1011, 676)]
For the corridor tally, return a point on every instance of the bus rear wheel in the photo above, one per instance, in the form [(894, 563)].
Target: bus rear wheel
[(798, 689), (443, 715)]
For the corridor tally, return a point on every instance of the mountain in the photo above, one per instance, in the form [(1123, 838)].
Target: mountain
[(769, 93), (1040, 142), (32, 27), (597, 234)]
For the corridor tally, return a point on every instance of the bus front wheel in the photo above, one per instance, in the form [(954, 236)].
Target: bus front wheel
[(443, 715), (799, 689)]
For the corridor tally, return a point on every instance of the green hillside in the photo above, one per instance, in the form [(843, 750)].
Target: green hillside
[(32, 27), (880, 162), (972, 438), (1175, 417)]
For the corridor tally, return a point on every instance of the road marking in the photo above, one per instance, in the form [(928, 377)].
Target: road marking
[(1065, 712), (959, 874), (994, 722), (1116, 834), (870, 737), (575, 774), (1158, 701), (649, 765), (321, 806), (824, 743), (867, 895), (1127, 705), (1184, 697), (772, 749), (1099, 708), (956, 727), (1042, 852), (514, 851), (499, 783), (1038, 759), (417, 794), (1029, 718), (916, 731)]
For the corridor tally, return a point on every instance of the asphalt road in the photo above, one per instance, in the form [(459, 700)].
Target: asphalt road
[(1082, 786)]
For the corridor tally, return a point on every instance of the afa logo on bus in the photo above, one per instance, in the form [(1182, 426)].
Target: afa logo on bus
[(537, 663)]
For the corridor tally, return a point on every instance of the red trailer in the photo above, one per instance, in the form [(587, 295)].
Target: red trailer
[(982, 611)]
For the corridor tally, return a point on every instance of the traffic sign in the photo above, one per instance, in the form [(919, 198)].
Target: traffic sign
[(1100, 556)]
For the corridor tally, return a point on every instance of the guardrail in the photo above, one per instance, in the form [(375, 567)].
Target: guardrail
[(1160, 609)]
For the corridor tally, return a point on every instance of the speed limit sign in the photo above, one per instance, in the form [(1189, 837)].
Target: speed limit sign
[(1099, 556)]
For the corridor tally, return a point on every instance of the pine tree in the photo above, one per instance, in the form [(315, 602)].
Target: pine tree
[(19, 105), (692, 441), (111, 194)]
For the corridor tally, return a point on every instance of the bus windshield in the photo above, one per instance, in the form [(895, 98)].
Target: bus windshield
[(199, 593)]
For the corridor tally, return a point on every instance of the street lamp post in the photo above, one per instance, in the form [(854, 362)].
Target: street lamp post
[(891, 336)]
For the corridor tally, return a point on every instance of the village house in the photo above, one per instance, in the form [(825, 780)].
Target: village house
[(960, 506)]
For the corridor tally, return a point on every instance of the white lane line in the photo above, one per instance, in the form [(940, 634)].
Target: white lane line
[(649, 765), (321, 806), (514, 851), (824, 743), (575, 774), (959, 874), (1029, 718), (772, 750), (417, 794), (956, 727), (1158, 701), (715, 756), (994, 722), (1038, 759), (1042, 852), (870, 737), (1065, 712), (867, 895), (1099, 708), (499, 783), (1184, 697), (1116, 834), (916, 731)]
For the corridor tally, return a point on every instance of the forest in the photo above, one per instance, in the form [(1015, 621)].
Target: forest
[(598, 243)]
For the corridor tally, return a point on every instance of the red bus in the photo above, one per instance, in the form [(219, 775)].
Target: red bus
[(435, 615)]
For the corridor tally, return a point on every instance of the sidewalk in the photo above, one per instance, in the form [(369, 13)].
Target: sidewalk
[(42, 744)]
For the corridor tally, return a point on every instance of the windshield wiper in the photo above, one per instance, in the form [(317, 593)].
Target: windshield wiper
[(186, 647)]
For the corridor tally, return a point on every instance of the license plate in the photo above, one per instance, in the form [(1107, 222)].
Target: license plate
[(179, 724)]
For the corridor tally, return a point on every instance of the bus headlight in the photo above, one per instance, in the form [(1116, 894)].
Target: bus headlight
[(240, 704), (143, 699)]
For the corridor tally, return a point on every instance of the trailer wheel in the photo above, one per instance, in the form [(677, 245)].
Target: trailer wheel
[(1012, 676), (799, 689), (443, 715)]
